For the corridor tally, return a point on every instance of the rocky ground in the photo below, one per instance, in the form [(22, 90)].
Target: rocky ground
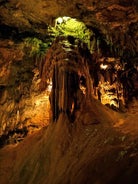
[(100, 147)]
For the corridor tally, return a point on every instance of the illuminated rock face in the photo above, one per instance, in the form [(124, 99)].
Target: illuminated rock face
[(114, 82), (108, 87), (76, 76), (23, 109)]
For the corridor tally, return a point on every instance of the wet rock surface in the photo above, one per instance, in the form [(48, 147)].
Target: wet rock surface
[(22, 108)]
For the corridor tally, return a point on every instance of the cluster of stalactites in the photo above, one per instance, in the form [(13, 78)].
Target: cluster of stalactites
[(65, 87), (66, 64), (107, 87)]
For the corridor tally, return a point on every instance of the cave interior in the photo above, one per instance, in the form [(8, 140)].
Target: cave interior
[(56, 72)]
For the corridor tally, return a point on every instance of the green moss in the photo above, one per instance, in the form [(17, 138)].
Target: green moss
[(73, 28), (34, 47)]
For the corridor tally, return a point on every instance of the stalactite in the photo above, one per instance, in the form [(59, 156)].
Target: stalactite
[(56, 89), (17, 116), (66, 62)]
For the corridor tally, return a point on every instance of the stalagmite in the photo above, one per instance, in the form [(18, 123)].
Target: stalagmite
[(66, 65)]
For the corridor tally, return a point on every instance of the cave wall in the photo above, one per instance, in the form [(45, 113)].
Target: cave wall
[(22, 106), (22, 103)]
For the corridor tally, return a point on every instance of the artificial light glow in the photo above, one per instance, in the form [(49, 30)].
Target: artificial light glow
[(60, 20), (83, 89), (66, 18), (102, 66), (108, 96), (109, 99), (49, 88), (110, 59), (40, 99)]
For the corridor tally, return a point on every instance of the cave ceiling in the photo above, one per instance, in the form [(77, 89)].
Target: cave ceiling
[(34, 16)]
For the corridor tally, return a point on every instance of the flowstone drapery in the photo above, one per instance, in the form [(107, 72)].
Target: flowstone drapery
[(76, 76), (66, 65)]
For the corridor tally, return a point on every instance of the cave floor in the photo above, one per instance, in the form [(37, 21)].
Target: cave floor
[(90, 153)]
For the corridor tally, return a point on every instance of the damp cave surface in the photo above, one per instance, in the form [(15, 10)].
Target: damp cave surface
[(68, 92)]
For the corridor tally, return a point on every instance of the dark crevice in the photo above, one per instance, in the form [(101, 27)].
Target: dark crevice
[(8, 32), (13, 136), (3, 2)]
